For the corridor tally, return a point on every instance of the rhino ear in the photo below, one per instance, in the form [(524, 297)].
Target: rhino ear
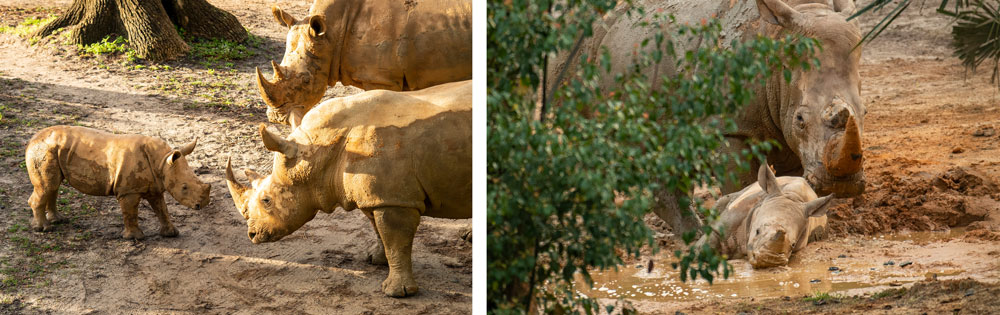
[(317, 25), (845, 7), (275, 143), (777, 12), (172, 157), (767, 181), (817, 207), (254, 177), (283, 17)]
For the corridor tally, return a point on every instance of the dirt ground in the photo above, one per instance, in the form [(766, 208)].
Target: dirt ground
[(84, 266), (932, 159)]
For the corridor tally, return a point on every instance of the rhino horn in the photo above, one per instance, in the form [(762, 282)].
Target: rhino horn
[(843, 156), (237, 190), (278, 76), (188, 148), (266, 89)]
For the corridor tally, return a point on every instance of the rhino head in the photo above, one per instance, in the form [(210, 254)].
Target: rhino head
[(778, 224), (278, 204), (301, 79), (180, 181), (821, 114)]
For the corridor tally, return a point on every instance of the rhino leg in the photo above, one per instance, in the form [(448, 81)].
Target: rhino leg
[(376, 254), (156, 202), (43, 200), (397, 227), (130, 214), (667, 208)]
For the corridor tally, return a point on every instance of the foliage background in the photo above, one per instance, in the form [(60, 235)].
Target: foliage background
[(552, 213)]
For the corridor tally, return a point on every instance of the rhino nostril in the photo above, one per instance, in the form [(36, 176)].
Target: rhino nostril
[(251, 234)]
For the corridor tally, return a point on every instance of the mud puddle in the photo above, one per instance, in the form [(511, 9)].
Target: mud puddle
[(806, 274)]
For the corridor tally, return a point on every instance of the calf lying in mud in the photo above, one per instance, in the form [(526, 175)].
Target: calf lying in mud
[(129, 167), (768, 221)]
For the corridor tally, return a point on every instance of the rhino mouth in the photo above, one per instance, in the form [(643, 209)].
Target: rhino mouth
[(842, 187), (767, 259)]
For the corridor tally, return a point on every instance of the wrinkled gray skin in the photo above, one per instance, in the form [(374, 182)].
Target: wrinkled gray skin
[(129, 167), (769, 220), (817, 118)]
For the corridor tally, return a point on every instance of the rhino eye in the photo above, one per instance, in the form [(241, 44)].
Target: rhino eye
[(758, 231), (266, 201), (184, 187)]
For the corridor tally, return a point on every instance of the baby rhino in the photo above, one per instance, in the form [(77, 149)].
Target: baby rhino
[(770, 220), (129, 167)]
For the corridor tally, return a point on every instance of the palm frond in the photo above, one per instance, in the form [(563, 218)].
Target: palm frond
[(976, 35)]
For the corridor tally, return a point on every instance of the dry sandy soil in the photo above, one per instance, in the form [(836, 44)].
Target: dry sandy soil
[(932, 160), (85, 267)]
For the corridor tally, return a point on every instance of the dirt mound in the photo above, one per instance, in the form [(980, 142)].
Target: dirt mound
[(918, 201)]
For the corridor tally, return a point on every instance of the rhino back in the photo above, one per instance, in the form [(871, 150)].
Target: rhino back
[(415, 44), (398, 149), (622, 35), (100, 163)]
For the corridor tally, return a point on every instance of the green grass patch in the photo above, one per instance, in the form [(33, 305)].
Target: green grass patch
[(28, 26), (820, 296), (215, 50), (107, 46)]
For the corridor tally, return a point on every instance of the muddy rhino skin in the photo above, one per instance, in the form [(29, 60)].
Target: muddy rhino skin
[(388, 45), (396, 156), (129, 167)]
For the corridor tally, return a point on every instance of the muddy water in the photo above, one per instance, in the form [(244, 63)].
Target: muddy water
[(801, 277)]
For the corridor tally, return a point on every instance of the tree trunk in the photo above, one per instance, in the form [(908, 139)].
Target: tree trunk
[(147, 24)]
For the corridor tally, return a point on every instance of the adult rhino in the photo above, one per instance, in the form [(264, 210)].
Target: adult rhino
[(817, 117), (388, 45), (397, 156)]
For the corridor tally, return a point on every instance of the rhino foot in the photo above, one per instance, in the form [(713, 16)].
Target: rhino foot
[(52, 217), (397, 285), (44, 227), (376, 255), (133, 235), (168, 231)]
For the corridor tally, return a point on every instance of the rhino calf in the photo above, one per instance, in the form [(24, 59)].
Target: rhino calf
[(129, 167), (768, 221)]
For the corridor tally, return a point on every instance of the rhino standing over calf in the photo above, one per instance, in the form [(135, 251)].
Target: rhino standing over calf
[(390, 45), (397, 156), (817, 117), (129, 167), (769, 220)]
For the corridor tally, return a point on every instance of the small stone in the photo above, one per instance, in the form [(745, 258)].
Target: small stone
[(834, 268), (986, 131), (786, 298), (889, 263), (819, 302), (924, 121), (887, 306), (905, 263), (638, 266), (842, 256), (895, 284), (815, 281), (970, 292), (957, 150)]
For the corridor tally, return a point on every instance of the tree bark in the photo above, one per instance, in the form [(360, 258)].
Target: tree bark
[(149, 25)]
